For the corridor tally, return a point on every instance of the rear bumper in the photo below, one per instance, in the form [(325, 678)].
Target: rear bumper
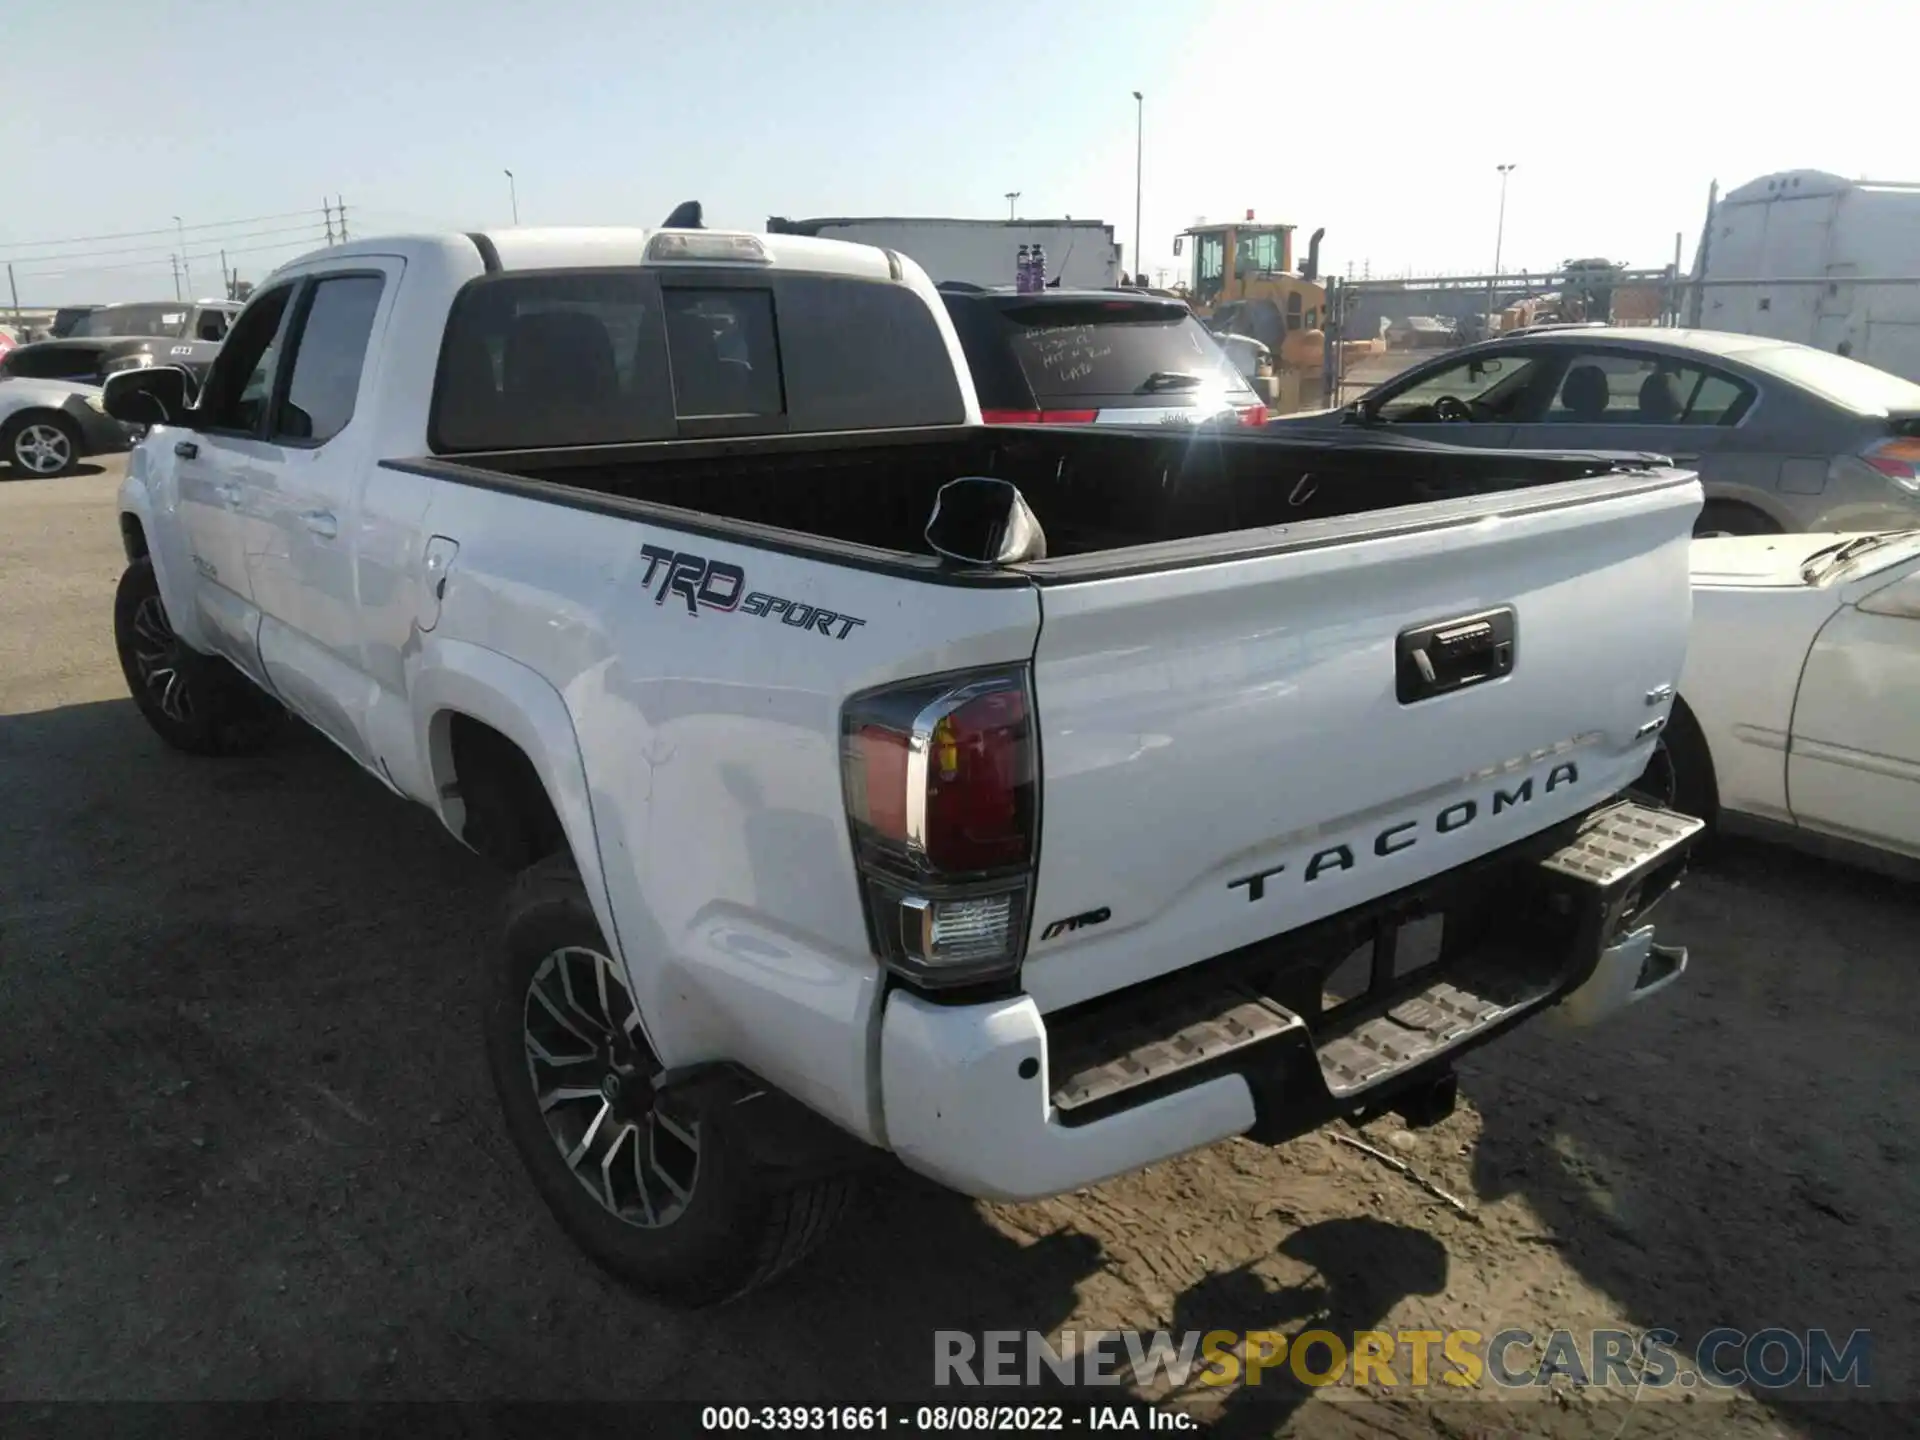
[(984, 1099)]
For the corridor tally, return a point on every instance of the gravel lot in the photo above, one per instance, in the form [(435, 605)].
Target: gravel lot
[(248, 1150)]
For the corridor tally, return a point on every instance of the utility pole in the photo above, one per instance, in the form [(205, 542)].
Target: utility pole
[(1499, 237), (1139, 153), (1012, 195), (513, 195), (340, 207), (326, 211), (226, 285), (176, 276), (15, 288), (185, 264)]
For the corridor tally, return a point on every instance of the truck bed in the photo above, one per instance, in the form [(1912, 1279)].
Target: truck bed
[(1095, 492)]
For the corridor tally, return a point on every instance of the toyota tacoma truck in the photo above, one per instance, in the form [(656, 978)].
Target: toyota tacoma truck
[(1010, 800)]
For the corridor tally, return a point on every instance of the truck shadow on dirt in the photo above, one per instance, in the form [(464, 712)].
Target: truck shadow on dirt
[(1743, 1151)]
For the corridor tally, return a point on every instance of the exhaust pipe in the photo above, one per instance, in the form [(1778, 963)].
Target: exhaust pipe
[(1311, 270)]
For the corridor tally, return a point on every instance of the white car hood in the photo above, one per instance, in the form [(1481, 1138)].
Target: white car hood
[(1755, 561)]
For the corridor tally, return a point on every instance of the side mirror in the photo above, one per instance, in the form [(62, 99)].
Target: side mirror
[(158, 395), (1178, 242), (982, 521), (1900, 600)]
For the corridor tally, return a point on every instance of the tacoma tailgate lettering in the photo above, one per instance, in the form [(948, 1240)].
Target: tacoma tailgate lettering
[(1397, 837)]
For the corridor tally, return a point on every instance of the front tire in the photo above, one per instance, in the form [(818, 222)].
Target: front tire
[(196, 703), (676, 1210), (1726, 517), (42, 444)]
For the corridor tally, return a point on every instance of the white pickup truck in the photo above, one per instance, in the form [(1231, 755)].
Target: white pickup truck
[(1007, 799)]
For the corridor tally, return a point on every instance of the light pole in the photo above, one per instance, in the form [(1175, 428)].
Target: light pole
[(1139, 152), (181, 230), (1012, 195), (512, 195), (1499, 237)]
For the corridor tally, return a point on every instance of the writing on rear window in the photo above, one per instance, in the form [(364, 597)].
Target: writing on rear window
[(703, 583), (1067, 352)]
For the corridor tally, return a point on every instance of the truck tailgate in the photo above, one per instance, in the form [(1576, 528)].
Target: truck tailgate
[(1234, 750)]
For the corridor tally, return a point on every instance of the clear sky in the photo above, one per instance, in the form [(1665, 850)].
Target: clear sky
[(1381, 121)]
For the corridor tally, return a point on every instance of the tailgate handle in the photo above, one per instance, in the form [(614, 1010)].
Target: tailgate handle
[(1448, 655)]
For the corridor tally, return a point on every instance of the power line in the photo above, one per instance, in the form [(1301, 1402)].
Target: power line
[(165, 262), (152, 249), (160, 230)]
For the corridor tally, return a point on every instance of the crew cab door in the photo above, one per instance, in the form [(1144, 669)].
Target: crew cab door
[(220, 468), (1853, 767), (303, 564)]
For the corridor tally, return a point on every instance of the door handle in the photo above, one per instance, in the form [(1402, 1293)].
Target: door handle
[(321, 523), (185, 449), (229, 495)]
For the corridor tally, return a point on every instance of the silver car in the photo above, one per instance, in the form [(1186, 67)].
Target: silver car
[(1785, 438)]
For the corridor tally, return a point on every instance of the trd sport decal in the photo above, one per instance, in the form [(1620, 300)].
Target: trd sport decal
[(716, 585)]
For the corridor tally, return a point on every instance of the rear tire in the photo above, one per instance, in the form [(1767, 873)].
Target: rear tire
[(196, 703), (1680, 774), (41, 444), (679, 1213), (1729, 517)]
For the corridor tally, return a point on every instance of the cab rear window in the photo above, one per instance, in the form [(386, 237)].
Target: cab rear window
[(545, 359)]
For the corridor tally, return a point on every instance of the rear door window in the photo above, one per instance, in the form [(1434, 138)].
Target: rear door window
[(1618, 388), (1118, 353)]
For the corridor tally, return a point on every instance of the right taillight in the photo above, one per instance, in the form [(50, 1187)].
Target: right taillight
[(942, 782), (1899, 460)]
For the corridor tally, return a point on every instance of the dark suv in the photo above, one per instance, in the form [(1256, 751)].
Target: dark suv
[(110, 338), (1095, 357)]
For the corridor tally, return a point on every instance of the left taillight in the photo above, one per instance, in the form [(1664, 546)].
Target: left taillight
[(942, 782), (1252, 414)]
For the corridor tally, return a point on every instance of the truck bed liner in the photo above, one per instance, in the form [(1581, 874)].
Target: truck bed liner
[(1094, 491)]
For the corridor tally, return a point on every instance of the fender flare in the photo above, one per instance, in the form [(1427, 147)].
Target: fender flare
[(457, 677), (162, 531)]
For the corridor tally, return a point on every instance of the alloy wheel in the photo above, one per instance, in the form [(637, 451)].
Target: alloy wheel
[(593, 1076), (42, 449), (156, 655)]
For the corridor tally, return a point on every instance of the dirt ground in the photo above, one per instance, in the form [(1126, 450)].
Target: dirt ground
[(248, 1150)]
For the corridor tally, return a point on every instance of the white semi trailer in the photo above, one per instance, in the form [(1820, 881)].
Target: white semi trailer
[(1818, 243), (1081, 254)]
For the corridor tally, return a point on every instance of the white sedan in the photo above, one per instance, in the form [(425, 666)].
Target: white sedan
[(1798, 713)]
